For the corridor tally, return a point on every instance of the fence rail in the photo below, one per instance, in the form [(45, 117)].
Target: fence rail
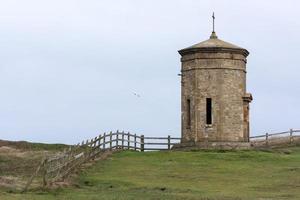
[(274, 139), (59, 166)]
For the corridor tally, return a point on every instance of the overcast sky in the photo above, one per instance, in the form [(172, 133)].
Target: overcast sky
[(69, 69)]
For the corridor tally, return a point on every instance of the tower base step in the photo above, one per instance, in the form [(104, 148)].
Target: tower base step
[(212, 145)]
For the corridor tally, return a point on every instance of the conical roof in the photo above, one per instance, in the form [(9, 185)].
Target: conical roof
[(213, 44)]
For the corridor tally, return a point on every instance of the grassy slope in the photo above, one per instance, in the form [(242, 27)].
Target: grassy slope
[(21, 159), (24, 157), (184, 175), (28, 146)]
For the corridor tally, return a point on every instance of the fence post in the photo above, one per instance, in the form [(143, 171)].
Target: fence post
[(42, 165), (94, 149), (169, 142), (267, 139), (86, 149), (117, 140), (135, 141), (110, 141), (95, 142), (291, 136), (142, 143), (99, 142), (128, 140), (91, 144), (44, 173), (122, 139), (104, 136)]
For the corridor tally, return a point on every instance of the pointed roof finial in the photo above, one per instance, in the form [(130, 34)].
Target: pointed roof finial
[(213, 16), (213, 34)]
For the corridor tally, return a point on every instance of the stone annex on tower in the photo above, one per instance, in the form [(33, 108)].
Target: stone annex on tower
[(214, 101)]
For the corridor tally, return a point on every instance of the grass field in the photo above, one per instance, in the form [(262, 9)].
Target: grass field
[(182, 175)]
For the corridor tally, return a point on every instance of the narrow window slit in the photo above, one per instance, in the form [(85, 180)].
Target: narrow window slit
[(188, 113), (208, 111)]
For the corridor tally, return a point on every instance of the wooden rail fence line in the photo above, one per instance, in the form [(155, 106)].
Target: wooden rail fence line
[(272, 139), (58, 167)]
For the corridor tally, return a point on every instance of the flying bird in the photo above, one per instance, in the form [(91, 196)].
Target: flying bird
[(137, 95)]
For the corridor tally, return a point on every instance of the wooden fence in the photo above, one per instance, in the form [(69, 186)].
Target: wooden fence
[(274, 139), (58, 167)]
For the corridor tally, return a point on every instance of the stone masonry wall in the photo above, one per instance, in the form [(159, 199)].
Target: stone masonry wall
[(221, 77)]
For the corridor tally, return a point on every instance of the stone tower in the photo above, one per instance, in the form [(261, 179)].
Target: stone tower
[(214, 102)]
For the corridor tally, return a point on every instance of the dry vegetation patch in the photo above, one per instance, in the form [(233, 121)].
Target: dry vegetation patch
[(19, 160)]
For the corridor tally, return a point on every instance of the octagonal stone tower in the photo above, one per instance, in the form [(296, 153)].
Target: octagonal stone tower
[(214, 102)]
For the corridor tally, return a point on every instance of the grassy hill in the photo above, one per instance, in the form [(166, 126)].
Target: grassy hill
[(182, 175), (18, 160)]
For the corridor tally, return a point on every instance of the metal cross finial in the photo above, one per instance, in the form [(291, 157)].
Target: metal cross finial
[(213, 16), (213, 34)]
